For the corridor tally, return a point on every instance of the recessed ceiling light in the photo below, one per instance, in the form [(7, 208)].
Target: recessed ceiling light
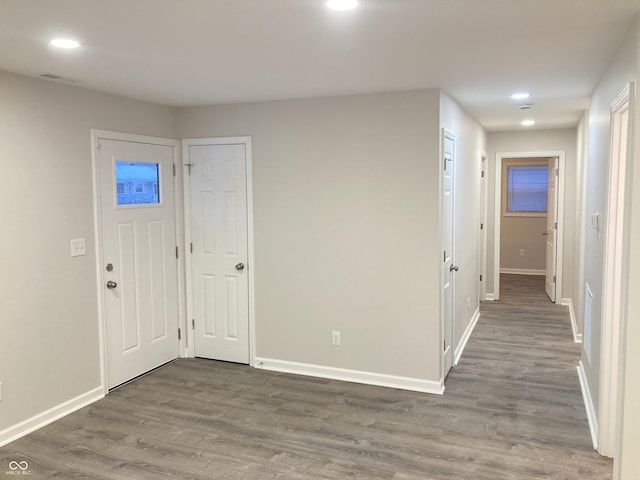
[(342, 4), (520, 96), (67, 43), (528, 123)]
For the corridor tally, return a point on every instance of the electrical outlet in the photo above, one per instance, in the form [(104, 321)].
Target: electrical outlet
[(78, 247), (522, 252), (335, 338)]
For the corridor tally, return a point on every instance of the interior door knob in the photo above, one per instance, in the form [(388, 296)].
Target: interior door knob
[(240, 267), (453, 268), (111, 285)]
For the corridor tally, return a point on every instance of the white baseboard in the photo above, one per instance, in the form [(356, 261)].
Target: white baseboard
[(465, 337), (588, 404), (489, 297), (577, 337), (522, 271), (45, 418), (356, 376)]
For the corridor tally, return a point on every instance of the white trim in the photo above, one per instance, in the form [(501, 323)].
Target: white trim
[(48, 416), (522, 271), (560, 154), (465, 337), (251, 270), (489, 297), (577, 337), (484, 189), (355, 376), (588, 404), (447, 134), (615, 274), (97, 135)]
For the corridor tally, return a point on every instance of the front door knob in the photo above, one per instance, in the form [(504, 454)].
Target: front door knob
[(240, 267), (111, 285)]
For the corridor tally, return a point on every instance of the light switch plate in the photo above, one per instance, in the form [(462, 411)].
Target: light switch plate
[(78, 247)]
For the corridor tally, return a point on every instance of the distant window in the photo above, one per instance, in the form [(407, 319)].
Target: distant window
[(527, 188), (143, 177)]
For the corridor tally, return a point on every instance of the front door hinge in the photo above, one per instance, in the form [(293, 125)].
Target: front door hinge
[(554, 279), (480, 277), (444, 257), (193, 323), (444, 345), (176, 252), (179, 334), (174, 169), (482, 226), (191, 247), (482, 176), (555, 226)]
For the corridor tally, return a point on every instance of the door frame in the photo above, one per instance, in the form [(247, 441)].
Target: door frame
[(96, 136), (447, 134), (560, 154), (484, 195), (242, 140), (615, 275)]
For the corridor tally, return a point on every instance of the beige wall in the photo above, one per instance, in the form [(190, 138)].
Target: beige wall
[(522, 141), (622, 71), (627, 463), (345, 210), (49, 340), (470, 143)]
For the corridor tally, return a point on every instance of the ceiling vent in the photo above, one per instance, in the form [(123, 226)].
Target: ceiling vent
[(58, 78)]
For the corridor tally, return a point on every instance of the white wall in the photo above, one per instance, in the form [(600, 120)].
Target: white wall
[(627, 462), (345, 217), (536, 141), (49, 340), (470, 142), (621, 71)]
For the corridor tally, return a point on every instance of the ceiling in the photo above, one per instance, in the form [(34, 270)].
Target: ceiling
[(201, 52)]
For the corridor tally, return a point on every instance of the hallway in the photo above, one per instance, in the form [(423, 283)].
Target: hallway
[(512, 410)]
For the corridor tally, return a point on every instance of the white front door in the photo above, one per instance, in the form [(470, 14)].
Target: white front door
[(552, 230), (139, 268), (448, 267), (217, 176)]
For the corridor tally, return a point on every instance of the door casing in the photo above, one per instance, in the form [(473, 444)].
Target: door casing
[(97, 135), (560, 154), (189, 350)]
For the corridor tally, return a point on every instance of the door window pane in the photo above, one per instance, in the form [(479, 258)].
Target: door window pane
[(137, 182), (527, 188)]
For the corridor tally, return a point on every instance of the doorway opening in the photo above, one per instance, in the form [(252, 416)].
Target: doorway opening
[(529, 214)]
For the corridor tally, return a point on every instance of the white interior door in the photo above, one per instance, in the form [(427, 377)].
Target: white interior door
[(552, 230), (448, 267), (219, 246), (138, 237)]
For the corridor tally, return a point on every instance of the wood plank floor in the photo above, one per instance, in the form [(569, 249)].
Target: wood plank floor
[(512, 411)]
